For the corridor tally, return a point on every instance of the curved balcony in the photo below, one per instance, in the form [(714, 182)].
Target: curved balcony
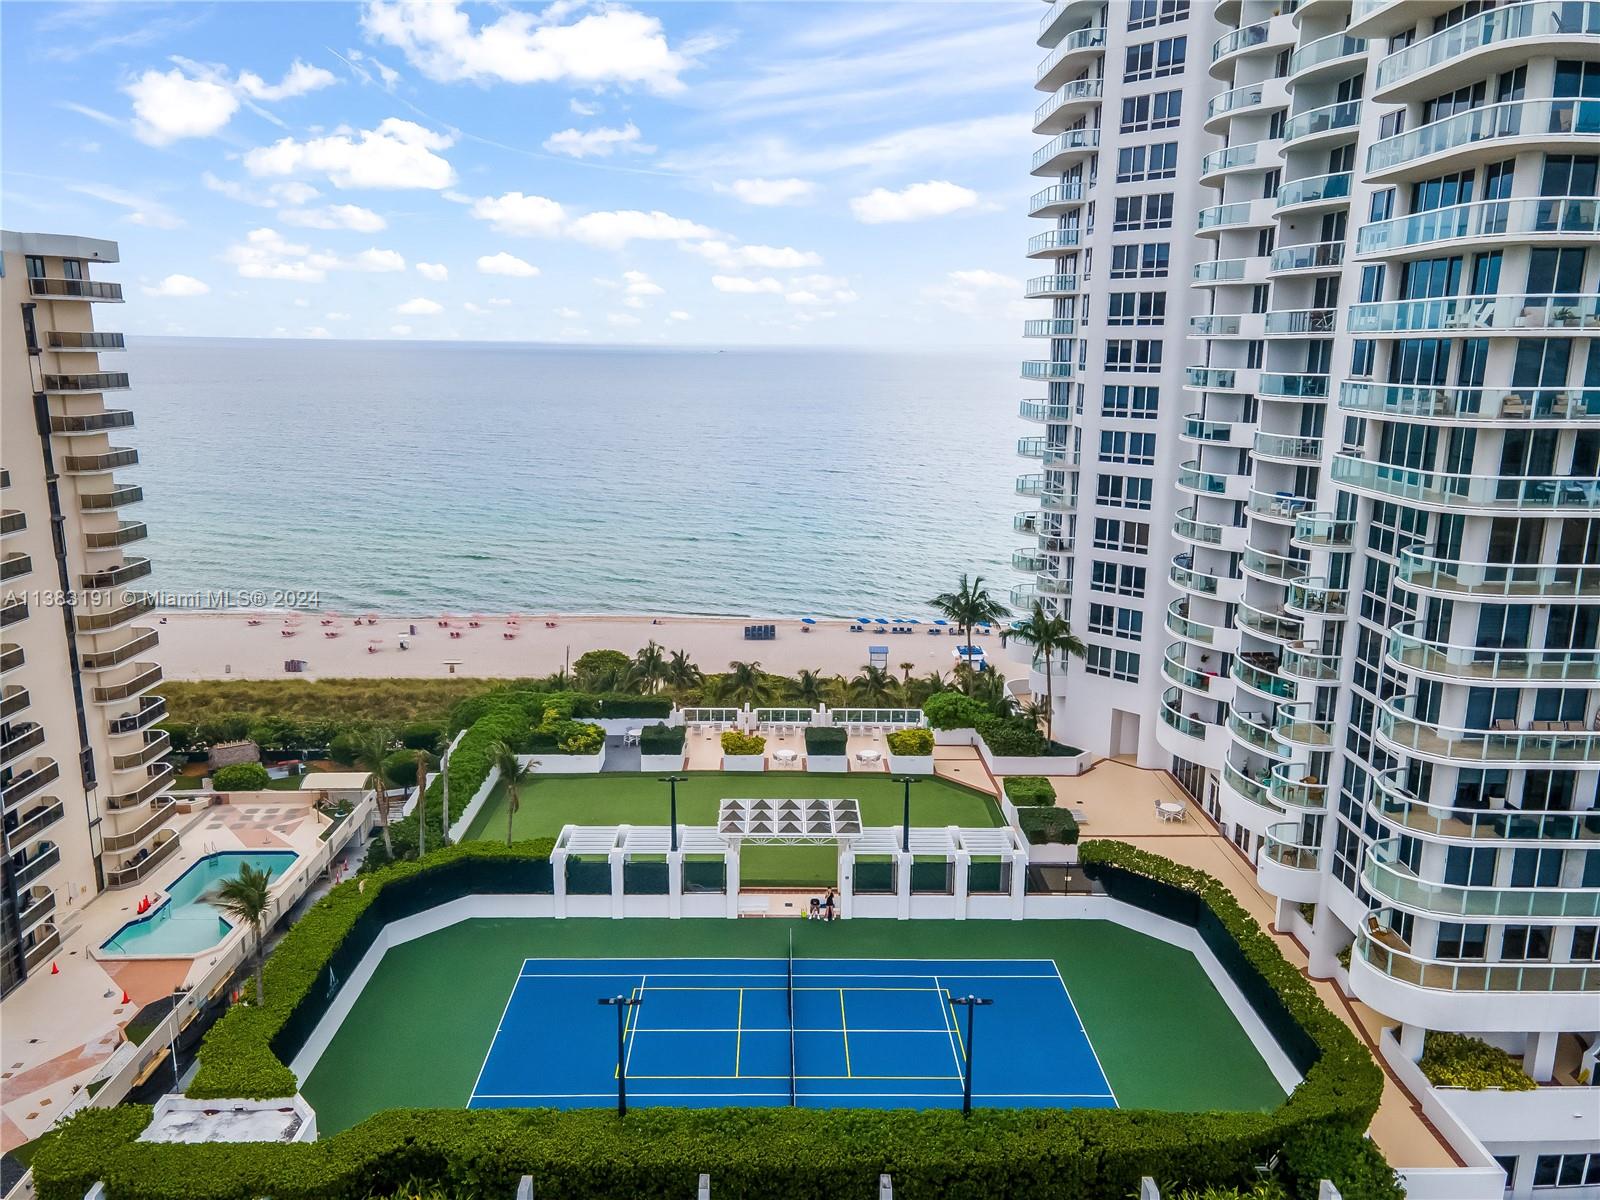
[(1212, 483), (1053, 242), (1184, 575), (1336, 53), (112, 499), (1322, 126), (1055, 200), (39, 773), (1381, 949), (1293, 786), (1065, 149), (1275, 568), (1282, 507), (1421, 572), (1220, 379), (158, 816), (1313, 193), (1030, 447), (1311, 661), (160, 776), (1217, 325), (1263, 37), (1286, 868), (109, 539), (142, 678), (1260, 679), (1323, 531), (157, 745), (1185, 676), (1485, 44), (1486, 493), (74, 425), (1029, 485), (1058, 500), (1295, 725), (150, 710), (1199, 740), (1181, 625), (1251, 790), (1309, 258), (1386, 875), (1311, 596), (1196, 428), (1025, 522), (1052, 24), (1043, 369), (1479, 315), (105, 620), (1254, 733), (1487, 134), (92, 290), (1545, 742), (1024, 596), (86, 343), (1275, 385), (133, 871), (1472, 405), (1217, 272), (1252, 97), (1044, 287), (1542, 219), (1241, 214), (1487, 664), (1301, 322), (1072, 54), (1028, 560), (1044, 411), (1287, 448), (1250, 156), (1066, 104), (1050, 327), (1391, 802)]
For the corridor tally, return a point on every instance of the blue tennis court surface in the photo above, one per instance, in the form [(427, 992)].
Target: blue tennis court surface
[(865, 1033)]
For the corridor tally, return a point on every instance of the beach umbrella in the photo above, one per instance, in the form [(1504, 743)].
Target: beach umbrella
[(912, 621), (941, 621), (865, 620), (808, 620)]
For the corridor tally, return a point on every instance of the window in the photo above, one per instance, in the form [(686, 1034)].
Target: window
[(1143, 212), (1152, 60), (1120, 446), (1113, 533), (1523, 943), (1138, 403), (1123, 491), (1125, 355), (1117, 622), (1142, 14), (35, 267), (1586, 944), (1116, 664), (1462, 941), (1161, 110), (1146, 260), (1159, 161), (1566, 1170), (1137, 308)]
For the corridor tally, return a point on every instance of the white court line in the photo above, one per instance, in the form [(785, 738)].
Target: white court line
[(950, 1032), (488, 1054), (809, 1095), (1099, 1066)]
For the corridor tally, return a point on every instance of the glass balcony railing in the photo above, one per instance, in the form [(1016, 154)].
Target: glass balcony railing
[(1252, 790), (1216, 325), (1240, 97), (1532, 217), (1223, 215), (1282, 846), (1050, 327), (1301, 322), (1172, 715), (1294, 786), (1052, 240), (1179, 622), (1293, 387), (1191, 477), (1313, 189), (1324, 530), (1262, 679), (95, 381), (1309, 256), (1037, 369), (1288, 447), (1487, 663), (1278, 506), (1045, 410), (1311, 661), (1391, 801), (1273, 626), (1508, 742), (1057, 194), (1041, 286), (1542, 19), (1221, 379), (1489, 123), (1030, 485), (1029, 560), (1478, 314), (1382, 949), (1197, 428), (1257, 736), (1025, 522), (1313, 595), (1174, 668), (1470, 404), (1241, 39), (74, 289), (1078, 91), (1220, 270), (1031, 447), (1064, 143), (100, 422), (1075, 42), (1330, 118), (1229, 157), (1023, 596), (1421, 571), (1502, 493), (89, 342), (1271, 566), (1386, 874), (1325, 50)]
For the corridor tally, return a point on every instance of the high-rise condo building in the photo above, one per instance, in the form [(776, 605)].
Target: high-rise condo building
[(1321, 487), (82, 773)]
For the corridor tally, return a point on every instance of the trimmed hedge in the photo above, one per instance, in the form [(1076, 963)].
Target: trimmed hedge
[(734, 742), (954, 710), (1019, 737), (661, 739), (911, 743), (1030, 789), (1458, 1060), (1048, 826), (241, 777), (825, 740)]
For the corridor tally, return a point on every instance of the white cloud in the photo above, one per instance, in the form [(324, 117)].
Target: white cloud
[(770, 192), (178, 285), (637, 287), (678, 314), (266, 254), (981, 278), (739, 286), (936, 198), (597, 143), (506, 264), (974, 292), (582, 108), (420, 307), (141, 210), (613, 230), (437, 272), (621, 319), (524, 216), (169, 106), (499, 301), (299, 79), (370, 260), (814, 290), (291, 192), (612, 45), (397, 154), (765, 258), (568, 314), (455, 197), (476, 310), (983, 138), (334, 216)]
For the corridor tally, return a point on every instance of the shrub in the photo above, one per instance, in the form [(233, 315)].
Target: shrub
[(400, 768), (421, 735), (345, 748), (1030, 789), (826, 741), (1457, 1060), (620, 704), (911, 743), (1012, 737), (661, 739), (734, 742), (241, 777), (953, 710), (1048, 826), (566, 736)]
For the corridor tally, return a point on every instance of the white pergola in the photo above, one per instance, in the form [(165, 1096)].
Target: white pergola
[(767, 822)]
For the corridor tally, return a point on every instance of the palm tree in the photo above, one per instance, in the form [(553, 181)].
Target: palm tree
[(649, 667), (1049, 635), (370, 753), (875, 685), (680, 673), (809, 687), (970, 604), (746, 684), (908, 668), (987, 688), (422, 803), (246, 898), (442, 748), (837, 691), (514, 773)]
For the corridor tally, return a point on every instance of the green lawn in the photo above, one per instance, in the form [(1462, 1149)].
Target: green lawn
[(551, 801), (421, 1028)]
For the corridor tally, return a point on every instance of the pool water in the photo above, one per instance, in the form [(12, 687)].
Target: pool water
[(186, 922)]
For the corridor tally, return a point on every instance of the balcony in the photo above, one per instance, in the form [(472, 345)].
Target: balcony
[(1472, 405), (1207, 533), (160, 777), (157, 744), (15, 566), (13, 521), (1241, 214), (1332, 54), (1276, 568), (151, 709), (1030, 447), (1175, 669), (14, 698), (1050, 327), (1322, 126), (1540, 219), (34, 822), (1309, 258), (1261, 38), (1250, 729), (1068, 102), (20, 740), (1486, 134), (1219, 379), (1311, 661), (1278, 506), (95, 381), (1311, 596), (110, 539), (100, 422), (158, 853), (1180, 624), (1249, 789), (1386, 875), (1220, 271), (1277, 386), (1029, 485), (1049, 411), (40, 773), (1273, 625), (144, 677), (1487, 664), (1024, 596), (1249, 98), (11, 657), (1486, 493), (1043, 287), (90, 342), (1313, 192), (1296, 725), (44, 858), (127, 572), (1074, 52), (1287, 448), (1196, 428), (1301, 322), (1543, 742), (1286, 868), (94, 464), (1183, 574), (1053, 242), (1262, 679), (1381, 949), (47, 940), (34, 906), (1029, 561), (137, 606), (1293, 786), (115, 498), (1479, 315), (1539, 582), (1323, 531), (1190, 726), (1249, 156), (12, 612), (160, 813), (75, 289), (1390, 801), (1218, 325), (1045, 370), (1055, 200), (104, 660), (1212, 483), (1063, 150), (1484, 44)]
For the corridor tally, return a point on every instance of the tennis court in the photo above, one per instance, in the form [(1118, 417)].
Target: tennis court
[(830, 1032)]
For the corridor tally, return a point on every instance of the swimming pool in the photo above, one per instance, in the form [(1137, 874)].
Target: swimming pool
[(186, 922)]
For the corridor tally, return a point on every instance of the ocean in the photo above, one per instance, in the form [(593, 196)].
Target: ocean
[(408, 477)]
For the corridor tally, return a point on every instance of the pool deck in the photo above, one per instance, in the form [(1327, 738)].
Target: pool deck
[(56, 1031)]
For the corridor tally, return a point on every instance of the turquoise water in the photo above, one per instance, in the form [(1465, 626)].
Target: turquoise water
[(186, 923), (426, 477)]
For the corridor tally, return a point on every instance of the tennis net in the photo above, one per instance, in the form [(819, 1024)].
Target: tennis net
[(791, 1021)]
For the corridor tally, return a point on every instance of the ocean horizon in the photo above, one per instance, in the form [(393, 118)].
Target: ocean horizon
[(416, 477)]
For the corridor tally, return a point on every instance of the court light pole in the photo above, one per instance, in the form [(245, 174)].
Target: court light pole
[(673, 781), (971, 1003), (905, 824), (622, 1005)]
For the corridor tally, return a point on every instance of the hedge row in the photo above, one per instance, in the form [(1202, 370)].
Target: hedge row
[(1030, 789), (236, 1058), (1048, 826), (1460, 1060), (826, 740), (661, 739)]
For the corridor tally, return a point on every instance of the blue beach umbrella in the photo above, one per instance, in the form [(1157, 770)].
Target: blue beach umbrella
[(941, 621), (808, 620), (880, 620), (865, 620)]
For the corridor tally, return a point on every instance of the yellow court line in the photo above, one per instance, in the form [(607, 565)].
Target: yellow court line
[(844, 1036), (738, 1034), (961, 1042)]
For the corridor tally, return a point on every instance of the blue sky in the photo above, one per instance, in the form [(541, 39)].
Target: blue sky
[(775, 172)]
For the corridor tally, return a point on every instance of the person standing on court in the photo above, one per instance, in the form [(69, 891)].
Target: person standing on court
[(827, 906)]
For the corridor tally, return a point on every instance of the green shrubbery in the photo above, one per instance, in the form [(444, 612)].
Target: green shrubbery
[(661, 739), (1023, 790), (1458, 1060), (954, 710), (1019, 737), (241, 777), (1048, 826), (400, 768), (911, 743), (562, 735), (826, 741), (734, 742)]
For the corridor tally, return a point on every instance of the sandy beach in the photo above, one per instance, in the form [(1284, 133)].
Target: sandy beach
[(256, 645)]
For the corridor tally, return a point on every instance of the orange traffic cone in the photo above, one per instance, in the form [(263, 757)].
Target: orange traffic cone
[(55, 968)]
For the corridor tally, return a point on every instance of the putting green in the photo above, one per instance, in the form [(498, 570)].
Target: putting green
[(551, 801)]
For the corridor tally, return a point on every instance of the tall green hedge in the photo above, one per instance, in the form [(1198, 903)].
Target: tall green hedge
[(827, 741)]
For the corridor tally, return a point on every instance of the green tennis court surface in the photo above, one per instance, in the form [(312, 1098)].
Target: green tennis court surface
[(423, 1026)]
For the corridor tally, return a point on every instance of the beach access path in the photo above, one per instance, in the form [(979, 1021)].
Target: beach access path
[(210, 645)]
